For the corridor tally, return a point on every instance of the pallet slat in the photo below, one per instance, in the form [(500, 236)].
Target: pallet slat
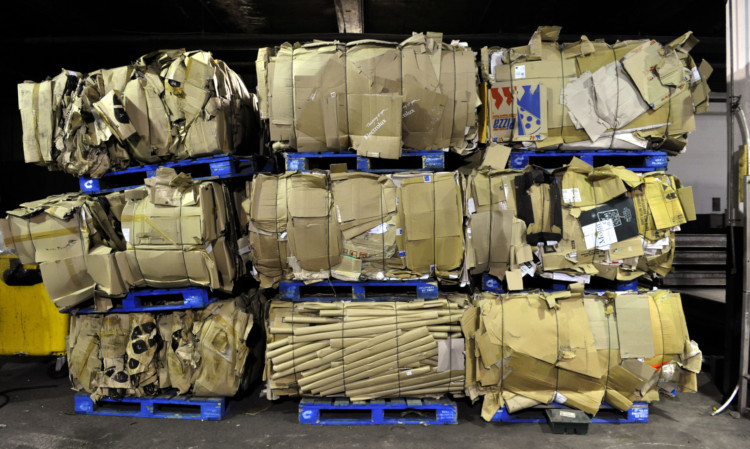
[(360, 291), (445, 411), (428, 160), (204, 409), (213, 167)]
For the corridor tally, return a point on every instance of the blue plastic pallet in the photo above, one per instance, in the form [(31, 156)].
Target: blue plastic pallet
[(428, 160), (212, 167), (638, 413), (310, 411), (360, 291), (642, 161), (491, 284), (204, 409), (192, 298)]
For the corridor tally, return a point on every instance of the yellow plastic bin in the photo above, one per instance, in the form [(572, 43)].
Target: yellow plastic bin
[(29, 323)]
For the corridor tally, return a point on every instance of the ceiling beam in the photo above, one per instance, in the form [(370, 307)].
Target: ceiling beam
[(350, 16)]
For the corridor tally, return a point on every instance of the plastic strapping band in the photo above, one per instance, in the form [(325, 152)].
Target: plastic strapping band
[(133, 234), (276, 223), (562, 92), (31, 240), (329, 206), (609, 344), (181, 241), (455, 103), (492, 205), (343, 348), (294, 100), (398, 350), (617, 101), (346, 91), (557, 351), (433, 272), (383, 228), (661, 325)]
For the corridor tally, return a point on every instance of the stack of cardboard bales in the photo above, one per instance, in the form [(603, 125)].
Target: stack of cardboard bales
[(577, 349), (168, 105), (631, 95), (373, 96), (572, 223)]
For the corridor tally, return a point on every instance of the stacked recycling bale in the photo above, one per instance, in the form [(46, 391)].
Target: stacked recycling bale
[(573, 223), (590, 95), (373, 96), (172, 238), (168, 105)]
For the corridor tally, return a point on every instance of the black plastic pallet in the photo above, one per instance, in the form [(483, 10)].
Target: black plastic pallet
[(492, 284), (641, 161), (638, 413)]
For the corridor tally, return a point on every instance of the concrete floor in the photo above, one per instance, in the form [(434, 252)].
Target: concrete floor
[(44, 418)]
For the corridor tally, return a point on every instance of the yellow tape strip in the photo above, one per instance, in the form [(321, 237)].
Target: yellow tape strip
[(42, 235)]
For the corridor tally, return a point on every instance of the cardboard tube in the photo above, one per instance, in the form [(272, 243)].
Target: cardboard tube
[(299, 352), (362, 323), (308, 320), (277, 344), (362, 359), (326, 386)]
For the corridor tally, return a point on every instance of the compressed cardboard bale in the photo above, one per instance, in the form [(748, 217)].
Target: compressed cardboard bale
[(607, 222), (371, 95), (61, 233), (591, 95), (575, 349), (179, 233), (199, 353), (167, 105), (365, 350)]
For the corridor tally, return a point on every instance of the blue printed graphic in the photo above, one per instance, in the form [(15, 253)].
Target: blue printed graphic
[(529, 119)]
